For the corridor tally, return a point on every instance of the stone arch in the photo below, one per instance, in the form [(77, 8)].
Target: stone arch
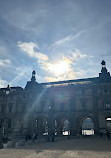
[(85, 125), (66, 127), (108, 123), (18, 125), (40, 125), (63, 125)]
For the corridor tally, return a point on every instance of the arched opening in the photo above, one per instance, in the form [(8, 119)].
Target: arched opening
[(108, 124), (66, 127), (45, 127), (87, 127), (37, 127), (40, 126)]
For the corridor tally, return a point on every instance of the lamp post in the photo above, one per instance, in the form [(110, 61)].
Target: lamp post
[(51, 129)]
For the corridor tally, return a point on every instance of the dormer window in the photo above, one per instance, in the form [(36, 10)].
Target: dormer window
[(107, 104), (62, 106), (105, 90)]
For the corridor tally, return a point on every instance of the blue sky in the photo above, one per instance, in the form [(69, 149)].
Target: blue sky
[(61, 40)]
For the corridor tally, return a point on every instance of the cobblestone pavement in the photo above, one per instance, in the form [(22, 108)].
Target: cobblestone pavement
[(72, 148)]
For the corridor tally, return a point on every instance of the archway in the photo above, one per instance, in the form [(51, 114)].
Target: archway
[(108, 124), (45, 127), (41, 126), (62, 125), (87, 127), (66, 127)]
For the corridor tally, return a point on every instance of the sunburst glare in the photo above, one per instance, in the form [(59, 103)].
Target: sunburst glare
[(59, 68)]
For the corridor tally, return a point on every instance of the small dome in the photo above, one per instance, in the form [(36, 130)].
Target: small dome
[(103, 62), (33, 72)]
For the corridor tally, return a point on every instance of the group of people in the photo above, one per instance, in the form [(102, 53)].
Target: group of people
[(31, 136), (108, 134)]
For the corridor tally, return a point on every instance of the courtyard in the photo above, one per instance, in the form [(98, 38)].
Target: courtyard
[(87, 147)]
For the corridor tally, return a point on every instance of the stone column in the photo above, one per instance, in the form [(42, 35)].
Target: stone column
[(95, 114), (59, 128), (51, 124)]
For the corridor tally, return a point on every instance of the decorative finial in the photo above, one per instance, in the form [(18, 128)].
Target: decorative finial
[(33, 76), (8, 86), (33, 73), (103, 63)]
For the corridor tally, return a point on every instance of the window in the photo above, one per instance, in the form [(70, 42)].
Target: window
[(83, 92), (2, 109), (83, 105), (23, 107), (4, 98), (24, 96), (105, 90), (61, 106), (107, 104), (10, 108), (9, 123)]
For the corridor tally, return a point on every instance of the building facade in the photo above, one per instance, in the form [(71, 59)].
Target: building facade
[(56, 107)]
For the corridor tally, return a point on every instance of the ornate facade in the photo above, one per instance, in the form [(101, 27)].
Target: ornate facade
[(55, 107)]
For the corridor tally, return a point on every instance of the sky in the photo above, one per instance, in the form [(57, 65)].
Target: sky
[(60, 40)]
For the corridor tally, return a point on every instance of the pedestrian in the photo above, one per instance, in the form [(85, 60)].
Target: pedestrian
[(108, 135)]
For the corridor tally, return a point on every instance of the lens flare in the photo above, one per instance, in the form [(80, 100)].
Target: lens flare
[(59, 68)]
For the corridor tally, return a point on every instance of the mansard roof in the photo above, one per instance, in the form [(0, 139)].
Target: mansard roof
[(11, 89), (104, 77)]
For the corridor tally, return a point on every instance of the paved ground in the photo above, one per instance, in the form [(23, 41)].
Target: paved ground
[(73, 148)]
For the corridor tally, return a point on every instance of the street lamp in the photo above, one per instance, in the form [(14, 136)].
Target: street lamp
[(51, 124)]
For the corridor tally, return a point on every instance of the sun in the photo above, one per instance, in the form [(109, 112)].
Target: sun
[(59, 68)]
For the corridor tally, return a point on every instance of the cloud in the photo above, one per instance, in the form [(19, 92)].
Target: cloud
[(76, 55), (41, 57), (68, 39), (4, 62), (26, 20), (28, 48), (69, 71), (23, 73), (3, 83), (56, 70)]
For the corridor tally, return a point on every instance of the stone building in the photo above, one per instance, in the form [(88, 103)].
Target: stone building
[(56, 107)]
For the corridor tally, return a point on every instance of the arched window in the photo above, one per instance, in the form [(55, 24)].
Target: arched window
[(62, 107), (66, 127), (10, 108), (108, 123), (107, 104), (83, 105), (87, 127), (9, 123)]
